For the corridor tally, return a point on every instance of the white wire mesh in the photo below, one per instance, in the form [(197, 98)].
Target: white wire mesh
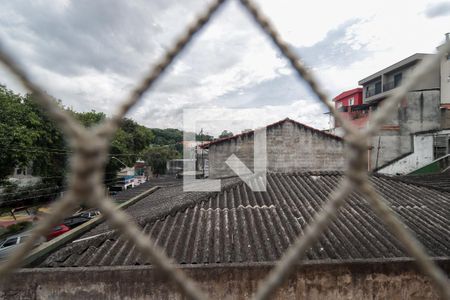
[(91, 149)]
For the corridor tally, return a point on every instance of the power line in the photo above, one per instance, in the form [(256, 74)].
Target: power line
[(61, 152), (50, 188), (45, 195), (63, 186), (64, 176), (31, 197), (29, 191)]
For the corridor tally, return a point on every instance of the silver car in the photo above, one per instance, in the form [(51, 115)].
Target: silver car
[(12, 242), (89, 214)]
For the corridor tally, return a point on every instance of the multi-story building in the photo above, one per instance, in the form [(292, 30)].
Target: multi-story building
[(381, 84), (419, 111), (445, 87), (350, 104), (426, 108)]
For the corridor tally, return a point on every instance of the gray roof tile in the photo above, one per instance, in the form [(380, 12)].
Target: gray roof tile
[(238, 225)]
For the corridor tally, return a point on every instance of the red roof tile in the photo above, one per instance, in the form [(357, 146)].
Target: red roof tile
[(347, 93)]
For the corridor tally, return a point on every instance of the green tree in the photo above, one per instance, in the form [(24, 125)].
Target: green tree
[(157, 156), (225, 134), (89, 119), (51, 162), (29, 138), (129, 140), (201, 137)]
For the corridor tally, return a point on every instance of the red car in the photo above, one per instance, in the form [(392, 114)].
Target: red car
[(57, 230)]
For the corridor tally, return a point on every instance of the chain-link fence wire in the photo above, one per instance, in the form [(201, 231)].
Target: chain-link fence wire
[(90, 148)]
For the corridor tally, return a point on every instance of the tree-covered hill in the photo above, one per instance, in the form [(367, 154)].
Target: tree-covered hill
[(29, 139)]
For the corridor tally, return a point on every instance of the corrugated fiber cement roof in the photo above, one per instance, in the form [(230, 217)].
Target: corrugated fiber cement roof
[(240, 226)]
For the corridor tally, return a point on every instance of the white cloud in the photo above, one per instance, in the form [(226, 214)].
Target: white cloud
[(90, 55)]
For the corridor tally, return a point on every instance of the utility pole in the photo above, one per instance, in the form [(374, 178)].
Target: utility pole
[(203, 161)]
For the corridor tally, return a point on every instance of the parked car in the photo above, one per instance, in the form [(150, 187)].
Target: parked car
[(9, 244), (89, 214), (114, 190), (57, 231), (190, 174), (75, 221)]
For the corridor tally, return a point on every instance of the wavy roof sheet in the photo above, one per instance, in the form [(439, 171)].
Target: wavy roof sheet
[(241, 226)]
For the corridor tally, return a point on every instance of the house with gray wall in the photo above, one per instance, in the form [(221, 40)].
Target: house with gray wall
[(427, 147), (445, 77), (426, 107), (445, 88), (291, 146), (383, 83), (419, 111)]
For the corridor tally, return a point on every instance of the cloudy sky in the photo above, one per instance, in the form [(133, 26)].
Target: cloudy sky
[(90, 54)]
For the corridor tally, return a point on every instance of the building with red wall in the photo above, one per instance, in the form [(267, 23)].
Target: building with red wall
[(350, 104), (348, 98)]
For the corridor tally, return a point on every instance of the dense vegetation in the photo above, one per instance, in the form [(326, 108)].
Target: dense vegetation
[(225, 134), (28, 138)]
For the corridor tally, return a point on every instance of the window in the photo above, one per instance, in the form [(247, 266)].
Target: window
[(351, 101), (338, 104), (10, 242), (378, 87), (440, 146), (397, 79)]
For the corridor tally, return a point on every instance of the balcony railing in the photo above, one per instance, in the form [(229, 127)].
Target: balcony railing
[(390, 85), (372, 92), (386, 87)]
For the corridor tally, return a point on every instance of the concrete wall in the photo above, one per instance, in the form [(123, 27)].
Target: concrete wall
[(445, 118), (419, 112), (445, 79), (423, 152), (398, 279), (388, 146), (430, 81), (290, 147), (422, 155)]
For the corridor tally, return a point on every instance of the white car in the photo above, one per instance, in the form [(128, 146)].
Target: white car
[(12, 242), (89, 214)]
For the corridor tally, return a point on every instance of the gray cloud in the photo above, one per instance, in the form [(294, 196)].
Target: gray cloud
[(99, 35), (438, 9), (336, 49), (281, 90), (339, 48), (92, 52)]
